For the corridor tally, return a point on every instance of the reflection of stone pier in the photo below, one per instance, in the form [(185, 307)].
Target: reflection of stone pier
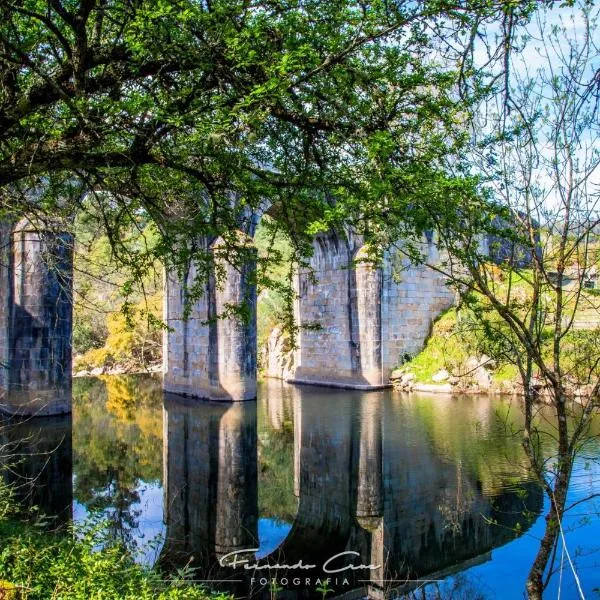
[(368, 480), (369, 500), (210, 480), (36, 273), (37, 463)]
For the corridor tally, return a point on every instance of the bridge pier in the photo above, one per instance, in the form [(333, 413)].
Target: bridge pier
[(357, 320), (36, 317), (211, 353)]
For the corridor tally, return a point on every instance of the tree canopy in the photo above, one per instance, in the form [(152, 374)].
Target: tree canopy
[(197, 113)]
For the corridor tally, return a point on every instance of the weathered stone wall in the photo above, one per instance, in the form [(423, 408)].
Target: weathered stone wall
[(357, 321), (5, 301), (412, 297), (211, 352), (36, 320), (324, 313), (339, 313)]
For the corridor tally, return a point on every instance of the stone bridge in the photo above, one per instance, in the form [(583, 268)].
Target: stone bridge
[(356, 321)]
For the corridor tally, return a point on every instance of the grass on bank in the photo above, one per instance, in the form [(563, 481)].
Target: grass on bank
[(477, 331), (449, 347)]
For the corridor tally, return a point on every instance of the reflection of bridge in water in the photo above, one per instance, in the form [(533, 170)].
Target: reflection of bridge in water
[(372, 473), (37, 462), (363, 484)]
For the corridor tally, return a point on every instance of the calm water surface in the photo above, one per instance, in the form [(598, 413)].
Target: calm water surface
[(421, 488)]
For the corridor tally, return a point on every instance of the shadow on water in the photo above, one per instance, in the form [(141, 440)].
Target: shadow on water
[(414, 488)]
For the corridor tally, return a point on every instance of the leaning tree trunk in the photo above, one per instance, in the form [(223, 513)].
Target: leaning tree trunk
[(558, 496)]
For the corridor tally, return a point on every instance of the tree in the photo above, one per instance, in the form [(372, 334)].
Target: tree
[(521, 237), (199, 112)]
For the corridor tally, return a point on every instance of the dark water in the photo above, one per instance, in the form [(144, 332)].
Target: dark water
[(420, 488)]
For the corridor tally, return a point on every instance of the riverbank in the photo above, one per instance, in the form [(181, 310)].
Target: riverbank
[(119, 369), (453, 361), (38, 561)]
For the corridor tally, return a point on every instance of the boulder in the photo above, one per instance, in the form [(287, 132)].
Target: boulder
[(441, 375), (396, 374), (482, 378)]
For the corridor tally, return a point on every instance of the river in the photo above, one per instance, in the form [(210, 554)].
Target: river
[(386, 494)]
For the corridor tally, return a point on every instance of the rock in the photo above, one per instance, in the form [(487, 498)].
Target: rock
[(396, 374), (96, 372), (405, 383), (435, 388), (441, 375), (482, 378), (471, 364), (537, 383), (277, 357), (486, 361), (403, 380), (118, 370)]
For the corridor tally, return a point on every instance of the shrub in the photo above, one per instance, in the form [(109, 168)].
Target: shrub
[(82, 565)]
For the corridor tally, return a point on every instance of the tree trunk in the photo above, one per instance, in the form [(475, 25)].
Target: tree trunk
[(558, 496)]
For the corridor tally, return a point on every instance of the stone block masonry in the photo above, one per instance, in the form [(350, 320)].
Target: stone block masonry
[(412, 296), (357, 320), (36, 308), (211, 352)]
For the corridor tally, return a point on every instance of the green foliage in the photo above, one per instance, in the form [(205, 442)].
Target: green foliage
[(115, 321), (476, 328), (276, 498), (189, 115), (133, 340), (82, 565), (446, 348), (91, 560), (505, 374), (117, 445), (275, 266), (324, 589)]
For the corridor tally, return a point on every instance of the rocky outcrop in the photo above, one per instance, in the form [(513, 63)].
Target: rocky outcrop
[(474, 376), (277, 356)]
